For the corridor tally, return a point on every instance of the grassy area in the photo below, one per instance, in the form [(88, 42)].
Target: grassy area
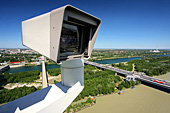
[(52, 78), (143, 99), (30, 64), (2, 104)]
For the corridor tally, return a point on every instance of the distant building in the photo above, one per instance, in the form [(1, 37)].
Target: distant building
[(16, 62), (19, 51), (156, 51), (42, 58)]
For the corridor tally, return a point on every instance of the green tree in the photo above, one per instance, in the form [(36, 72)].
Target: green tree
[(120, 86)]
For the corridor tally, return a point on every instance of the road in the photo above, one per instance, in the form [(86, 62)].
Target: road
[(141, 77)]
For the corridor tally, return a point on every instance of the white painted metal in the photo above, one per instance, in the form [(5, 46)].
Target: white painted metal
[(44, 74), (42, 33), (57, 99), (72, 71), (36, 34)]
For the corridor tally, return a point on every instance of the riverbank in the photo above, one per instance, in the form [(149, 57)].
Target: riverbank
[(15, 66), (112, 58), (164, 77), (143, 99), (31, 68), (96, 59)]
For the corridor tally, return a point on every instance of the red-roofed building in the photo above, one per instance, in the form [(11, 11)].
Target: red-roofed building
[(16, 62)]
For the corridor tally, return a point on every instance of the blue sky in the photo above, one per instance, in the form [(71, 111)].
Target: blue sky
[(132, 24)]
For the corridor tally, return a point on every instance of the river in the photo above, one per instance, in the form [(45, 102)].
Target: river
[(119, 60), (52, 66), (142, 99), (31, 68)]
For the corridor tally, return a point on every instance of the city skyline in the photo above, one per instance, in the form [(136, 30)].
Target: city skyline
[(126, 24)]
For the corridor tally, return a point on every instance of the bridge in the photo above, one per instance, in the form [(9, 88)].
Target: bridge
[(4, 68), (133, 76)]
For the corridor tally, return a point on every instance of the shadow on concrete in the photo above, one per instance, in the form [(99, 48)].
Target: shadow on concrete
[(63, 88)]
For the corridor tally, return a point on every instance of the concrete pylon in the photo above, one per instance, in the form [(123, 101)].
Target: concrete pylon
[(44, 74)]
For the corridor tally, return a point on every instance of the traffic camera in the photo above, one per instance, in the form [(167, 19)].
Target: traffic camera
[(62, 34)]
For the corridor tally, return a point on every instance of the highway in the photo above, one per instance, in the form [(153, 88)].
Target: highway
[(141, 77)]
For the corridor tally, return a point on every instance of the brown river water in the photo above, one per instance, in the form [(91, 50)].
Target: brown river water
[(142, 99)]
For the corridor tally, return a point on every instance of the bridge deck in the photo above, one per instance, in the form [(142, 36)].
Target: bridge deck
[(140, 77), (3, 68)]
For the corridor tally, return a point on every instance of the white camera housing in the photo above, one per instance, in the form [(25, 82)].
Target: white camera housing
[(62, 34)]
